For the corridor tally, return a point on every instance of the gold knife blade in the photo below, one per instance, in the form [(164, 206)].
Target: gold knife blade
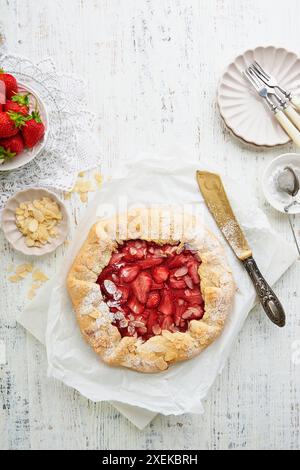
[(215, 196)]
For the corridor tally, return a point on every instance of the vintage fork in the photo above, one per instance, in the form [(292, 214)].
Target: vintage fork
[(272, 82), (286, 106), (283, 120)]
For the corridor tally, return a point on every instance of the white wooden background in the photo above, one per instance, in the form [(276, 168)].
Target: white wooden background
[(152, 67)]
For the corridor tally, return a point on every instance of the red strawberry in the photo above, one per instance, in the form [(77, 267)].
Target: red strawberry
[(149, 262), (18, 104), (116, 258), (180, 308), (152, 321), (13, 144), (177, 283), (135, 306), (193, 296), (153, 300), (177, 261), (166, 304), (10, 123), (11, 86), (160, 274), (128, 273), (167, 323), (125, 293), (157, 286), (141, 287), (193, 271), (34, 130)]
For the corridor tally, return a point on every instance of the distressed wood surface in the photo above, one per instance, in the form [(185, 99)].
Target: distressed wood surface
[(152, 68)]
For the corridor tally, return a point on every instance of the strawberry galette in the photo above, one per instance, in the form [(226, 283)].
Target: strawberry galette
[(150, 289)]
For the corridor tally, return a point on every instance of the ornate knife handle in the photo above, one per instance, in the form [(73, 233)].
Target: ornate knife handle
[(267, 297)]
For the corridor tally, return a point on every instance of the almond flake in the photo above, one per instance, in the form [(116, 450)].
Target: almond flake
[(31, 294), (99, 179), (38, 275), (15, 278)]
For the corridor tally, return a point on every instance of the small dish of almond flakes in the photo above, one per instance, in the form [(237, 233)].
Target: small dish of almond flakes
[(35, 222)]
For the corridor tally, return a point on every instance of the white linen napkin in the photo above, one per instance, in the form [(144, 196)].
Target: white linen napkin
[(153, 179)]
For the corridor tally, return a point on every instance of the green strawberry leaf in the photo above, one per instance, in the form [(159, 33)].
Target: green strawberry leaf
[(22, 100), (36, 116), (1, 70), (18, 119), (6, 154)]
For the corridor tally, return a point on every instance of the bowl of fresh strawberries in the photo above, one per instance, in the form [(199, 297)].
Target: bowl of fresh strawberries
[(23, 124)]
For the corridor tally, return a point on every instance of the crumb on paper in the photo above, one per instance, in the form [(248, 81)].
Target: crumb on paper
[(81, 174)]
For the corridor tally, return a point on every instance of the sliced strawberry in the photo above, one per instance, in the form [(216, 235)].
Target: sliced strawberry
[(196, 312), (135, 306), (129, 273), (193, 267), (141, 286), (177, 283), (177, 261), (152, 321), (154, 287), (157, 286), (153, 300), (166, 305), (180, 308), (193, 297), (125, 293), (160, 274), (167, 323), (116, 258), (149, 263)]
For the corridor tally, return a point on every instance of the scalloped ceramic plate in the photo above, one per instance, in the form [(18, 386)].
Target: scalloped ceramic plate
[(16, 239), (244, 112), (29, 154)]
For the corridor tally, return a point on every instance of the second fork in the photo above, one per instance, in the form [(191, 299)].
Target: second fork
[(285, 105), (263, 92)]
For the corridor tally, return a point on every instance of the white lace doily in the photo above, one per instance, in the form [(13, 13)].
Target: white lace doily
[(71, 146)]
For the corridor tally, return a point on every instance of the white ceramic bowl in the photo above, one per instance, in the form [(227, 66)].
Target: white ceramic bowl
[(29, 154), (14, 236), (243, 111), (277, 199)]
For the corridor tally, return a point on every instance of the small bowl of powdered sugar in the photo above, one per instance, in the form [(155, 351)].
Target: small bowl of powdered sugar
[(277, 198)]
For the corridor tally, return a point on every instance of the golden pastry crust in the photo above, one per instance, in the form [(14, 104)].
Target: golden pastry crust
[(163, 226)]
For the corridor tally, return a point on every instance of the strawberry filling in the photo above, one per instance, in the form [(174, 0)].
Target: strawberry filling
[(153, 287)]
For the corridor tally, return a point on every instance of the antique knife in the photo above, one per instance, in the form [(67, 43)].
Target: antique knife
[(214, 194)]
